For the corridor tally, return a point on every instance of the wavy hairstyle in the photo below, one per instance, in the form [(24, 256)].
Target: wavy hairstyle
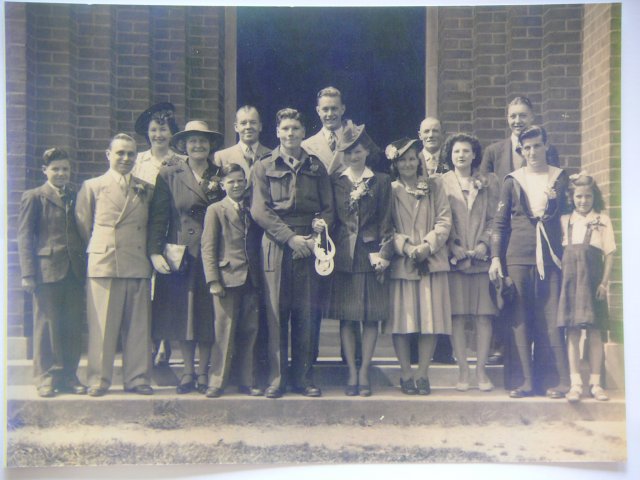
[(584, 180), (447, 147)]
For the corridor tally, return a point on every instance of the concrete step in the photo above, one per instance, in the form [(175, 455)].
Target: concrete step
[(328, 372), (387, 406), (19, 348)]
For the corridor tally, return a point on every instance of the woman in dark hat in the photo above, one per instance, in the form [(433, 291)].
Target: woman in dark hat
[(157, 124), (419, 288), (183, 309), (362, 237)]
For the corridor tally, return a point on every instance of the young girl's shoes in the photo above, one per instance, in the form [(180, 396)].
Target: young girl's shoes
[(598, 393), (573, 396)]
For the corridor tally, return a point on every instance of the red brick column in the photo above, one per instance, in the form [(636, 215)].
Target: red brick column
[(601, 126), (17, 113), (561, 73), (205, 62), (455, 68)]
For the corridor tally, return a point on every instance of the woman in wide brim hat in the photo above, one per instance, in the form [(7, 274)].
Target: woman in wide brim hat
[(362, 235), (182, 306), (157, 124), (419, 287), (196, 127)]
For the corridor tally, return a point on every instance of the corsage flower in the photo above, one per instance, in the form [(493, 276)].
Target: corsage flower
[(140, 189), (359, 190), (551, 193), (479, 182), (421, 190), (595, 224), (391, 152)]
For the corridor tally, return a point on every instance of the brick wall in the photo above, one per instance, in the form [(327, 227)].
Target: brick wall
[(487, 55), (77, 74), (601, 124)]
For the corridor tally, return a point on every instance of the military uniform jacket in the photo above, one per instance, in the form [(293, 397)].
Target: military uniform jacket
[(49, 243), (114, 224), (286, 201)]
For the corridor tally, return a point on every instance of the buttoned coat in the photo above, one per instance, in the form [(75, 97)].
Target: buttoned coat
[(182, 306), (427, 219), (498, 158), (178, 208), (113, 223), (472, 225), (49, 243), (230, 245), (235, 154), (365, 229)]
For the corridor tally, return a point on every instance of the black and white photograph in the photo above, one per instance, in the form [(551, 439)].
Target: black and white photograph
[(315, 235)]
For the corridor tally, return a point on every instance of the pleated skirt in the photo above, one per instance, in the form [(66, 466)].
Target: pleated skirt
[(420, 306), (358, 297)]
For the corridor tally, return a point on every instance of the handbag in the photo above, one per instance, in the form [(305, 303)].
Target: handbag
[(175, 256)]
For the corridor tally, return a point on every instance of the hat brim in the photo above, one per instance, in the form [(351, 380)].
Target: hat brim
[(178, 142), (142, 122)]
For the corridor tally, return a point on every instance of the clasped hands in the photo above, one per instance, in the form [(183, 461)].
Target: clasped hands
[(303, 246), (479, 253)]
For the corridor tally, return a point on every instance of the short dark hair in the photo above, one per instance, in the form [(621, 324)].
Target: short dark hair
[(520, 100), (532, 132), (229, 168), (394, 168), (289, 113), (445, 152), (53, 154), (585, 181)]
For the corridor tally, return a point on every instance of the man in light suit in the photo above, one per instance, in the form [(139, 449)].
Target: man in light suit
[(432, 137), (248, 149), (112, 213)]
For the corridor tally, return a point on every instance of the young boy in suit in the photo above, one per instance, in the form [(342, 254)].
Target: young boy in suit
[(53, 266), (231, 259)]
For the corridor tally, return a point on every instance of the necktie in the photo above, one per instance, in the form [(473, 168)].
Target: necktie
[(251, 155), (333, 141)]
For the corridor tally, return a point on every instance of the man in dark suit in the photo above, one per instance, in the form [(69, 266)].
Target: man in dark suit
[(53, 265), (112, 213), (432, 137), (292, 199), (248, 150), (231, 260)]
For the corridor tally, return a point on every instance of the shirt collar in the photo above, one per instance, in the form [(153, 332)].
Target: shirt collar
[(367, 173), (237, 205), (119, 177), (291, 162), (577, 218), (514, 142), (327, 133), (245, 147), (58, 190)]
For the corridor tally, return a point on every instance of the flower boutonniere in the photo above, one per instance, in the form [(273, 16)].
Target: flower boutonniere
[(314, 167), (479, 182), (140, 189), (422, 189), (595, 224), (359, 190), (550, 192)]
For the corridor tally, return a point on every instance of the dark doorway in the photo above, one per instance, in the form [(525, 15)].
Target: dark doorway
[(374, 56)]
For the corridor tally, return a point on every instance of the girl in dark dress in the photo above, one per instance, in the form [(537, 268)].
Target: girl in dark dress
[(589, 245)]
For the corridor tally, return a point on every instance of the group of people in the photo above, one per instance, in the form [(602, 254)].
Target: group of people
[(192, 244)]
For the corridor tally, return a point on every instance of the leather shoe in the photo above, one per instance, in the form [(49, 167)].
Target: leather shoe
[(71, 385), (351, 390), (273, 392), (308, 391), (97, 391), (46, 391), (408, 387), (423, 386), (214, 392), (555, 394), (202, 387), (364, 390), (140, 390), (495, 359), (520, 393), (187, 384), (251, 391)]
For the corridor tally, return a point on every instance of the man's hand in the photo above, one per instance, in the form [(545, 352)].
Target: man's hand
[(29, 284), (300, 246), (216, 288), (495, 270)]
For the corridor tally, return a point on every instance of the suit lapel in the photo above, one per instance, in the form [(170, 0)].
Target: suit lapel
[(187, 177), (113, 192), (133, 198), (232, 214), (50, 194)]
